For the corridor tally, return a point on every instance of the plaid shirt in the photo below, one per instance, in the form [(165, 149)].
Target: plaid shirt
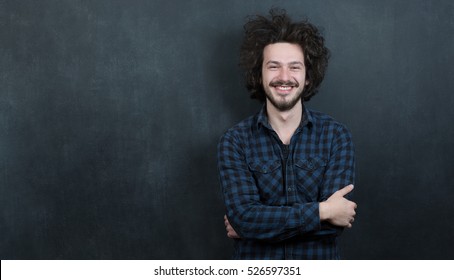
[(272, 191)]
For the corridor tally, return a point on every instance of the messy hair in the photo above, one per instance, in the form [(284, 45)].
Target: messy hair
[(261, 31)]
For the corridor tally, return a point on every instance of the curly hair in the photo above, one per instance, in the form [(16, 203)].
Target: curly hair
[(261, 31)]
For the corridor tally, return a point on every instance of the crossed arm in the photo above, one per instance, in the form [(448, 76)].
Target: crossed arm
[(337, 210), (247, 217)]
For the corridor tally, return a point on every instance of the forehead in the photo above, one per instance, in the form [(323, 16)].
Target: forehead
[(283, 52)]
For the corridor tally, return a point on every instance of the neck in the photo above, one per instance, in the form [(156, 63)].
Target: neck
[(284, 123)]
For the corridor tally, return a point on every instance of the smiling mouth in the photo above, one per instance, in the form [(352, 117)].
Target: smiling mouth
[(284, 86)]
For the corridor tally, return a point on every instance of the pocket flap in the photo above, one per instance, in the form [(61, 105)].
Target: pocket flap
[(310, 164), (265, 166)]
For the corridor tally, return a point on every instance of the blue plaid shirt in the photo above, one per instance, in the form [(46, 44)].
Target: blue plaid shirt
[(272, 191)]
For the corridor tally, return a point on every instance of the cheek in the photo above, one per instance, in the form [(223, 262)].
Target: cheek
[(303, 79), (265, 80), (306, 78)]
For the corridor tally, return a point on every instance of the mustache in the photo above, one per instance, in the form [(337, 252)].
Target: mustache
[(280, 83)]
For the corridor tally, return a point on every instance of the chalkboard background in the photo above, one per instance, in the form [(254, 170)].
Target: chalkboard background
[(110, 113)]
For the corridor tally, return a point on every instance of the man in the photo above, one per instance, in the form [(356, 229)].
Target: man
[(286, 171)]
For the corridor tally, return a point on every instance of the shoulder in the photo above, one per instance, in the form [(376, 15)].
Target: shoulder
[(326, 122), (241, 130), (234, 141)]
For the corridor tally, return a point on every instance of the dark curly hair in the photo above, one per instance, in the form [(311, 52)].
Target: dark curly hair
[(261, 31)]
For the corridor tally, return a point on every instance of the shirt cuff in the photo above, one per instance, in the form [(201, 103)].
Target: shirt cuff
[(310, 217)]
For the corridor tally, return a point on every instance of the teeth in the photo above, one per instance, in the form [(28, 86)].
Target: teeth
[(284, 88)]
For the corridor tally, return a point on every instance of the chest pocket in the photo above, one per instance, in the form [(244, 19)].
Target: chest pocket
[(268, 178), (309, 177)]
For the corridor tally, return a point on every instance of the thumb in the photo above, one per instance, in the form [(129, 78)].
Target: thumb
[(345, 190)]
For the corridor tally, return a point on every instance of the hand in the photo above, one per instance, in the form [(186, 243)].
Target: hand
[(338, 210), (231, 233)]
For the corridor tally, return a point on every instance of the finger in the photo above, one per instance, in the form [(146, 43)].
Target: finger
[(349, 225), (345, 190), (232, 234)]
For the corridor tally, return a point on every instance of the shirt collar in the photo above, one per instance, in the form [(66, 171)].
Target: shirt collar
[(262, 119)]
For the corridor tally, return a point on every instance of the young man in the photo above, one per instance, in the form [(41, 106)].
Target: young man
[(285, 172)]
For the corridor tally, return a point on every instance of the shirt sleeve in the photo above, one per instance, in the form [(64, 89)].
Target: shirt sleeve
[(340, 171), (248, 216)]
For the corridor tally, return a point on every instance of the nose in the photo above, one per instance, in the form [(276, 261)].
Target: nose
[(284, 74)]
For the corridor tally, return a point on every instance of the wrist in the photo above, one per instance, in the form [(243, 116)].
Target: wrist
[(324, 211)]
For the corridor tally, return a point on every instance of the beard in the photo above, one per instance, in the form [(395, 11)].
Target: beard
[(284, 105)]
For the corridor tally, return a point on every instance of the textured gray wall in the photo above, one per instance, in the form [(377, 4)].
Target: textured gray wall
[(110, 113)]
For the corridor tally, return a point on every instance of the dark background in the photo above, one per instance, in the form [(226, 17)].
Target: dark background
[(110, 113)]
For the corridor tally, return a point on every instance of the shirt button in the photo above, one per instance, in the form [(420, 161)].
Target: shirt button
[(289, 189), (310, 164)]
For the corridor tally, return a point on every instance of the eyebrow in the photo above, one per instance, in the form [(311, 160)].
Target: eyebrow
[(290, 63)]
